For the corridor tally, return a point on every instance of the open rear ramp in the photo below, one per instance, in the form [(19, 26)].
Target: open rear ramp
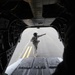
[(37, 66)]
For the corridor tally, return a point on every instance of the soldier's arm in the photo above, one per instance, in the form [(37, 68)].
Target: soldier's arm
[(41, 35)]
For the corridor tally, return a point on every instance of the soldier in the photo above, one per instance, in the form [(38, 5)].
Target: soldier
[(35, 40)]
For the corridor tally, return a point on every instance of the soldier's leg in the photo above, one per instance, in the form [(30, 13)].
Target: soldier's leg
[(34, 50)]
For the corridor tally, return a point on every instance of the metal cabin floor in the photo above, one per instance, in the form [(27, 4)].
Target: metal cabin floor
[(36, 66)]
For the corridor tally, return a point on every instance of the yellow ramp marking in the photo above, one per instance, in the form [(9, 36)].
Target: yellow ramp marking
[(29, 52), (25, 52)]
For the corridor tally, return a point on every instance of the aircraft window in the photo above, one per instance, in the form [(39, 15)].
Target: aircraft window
[(49, 45)]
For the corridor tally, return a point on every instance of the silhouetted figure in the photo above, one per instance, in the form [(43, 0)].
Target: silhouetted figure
[(35, 40), (67, 66)]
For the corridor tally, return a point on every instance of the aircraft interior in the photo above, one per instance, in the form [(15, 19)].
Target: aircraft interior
[(18, 15)]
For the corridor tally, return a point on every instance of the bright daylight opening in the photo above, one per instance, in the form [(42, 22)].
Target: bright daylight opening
[(49, 45)]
